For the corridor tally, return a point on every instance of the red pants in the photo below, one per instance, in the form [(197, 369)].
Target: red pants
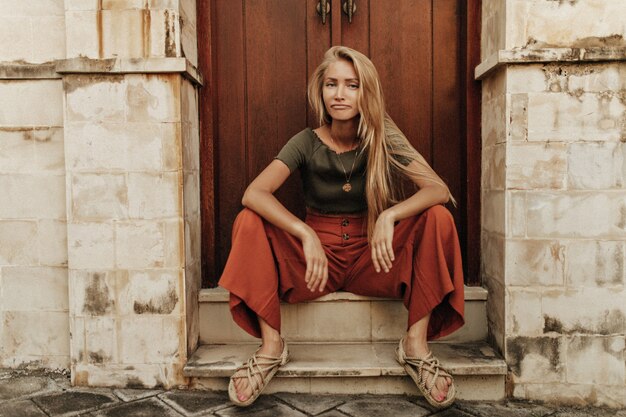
[(267, 264)]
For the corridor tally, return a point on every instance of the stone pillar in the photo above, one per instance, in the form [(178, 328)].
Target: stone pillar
[(131, 147), (554, 205)]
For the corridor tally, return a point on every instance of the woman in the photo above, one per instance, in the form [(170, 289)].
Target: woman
[(360, 234)]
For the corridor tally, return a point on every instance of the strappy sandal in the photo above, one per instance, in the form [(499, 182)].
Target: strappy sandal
[(259, 370), (424, 366)]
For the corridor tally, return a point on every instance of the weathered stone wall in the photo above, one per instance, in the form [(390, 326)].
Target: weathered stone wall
[(34, 329), (554, 140), (99, 219)]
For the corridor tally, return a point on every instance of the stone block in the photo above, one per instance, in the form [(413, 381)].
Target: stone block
[(95, 98), (579, 24), (19, 243), (101, 341), (518, 117), (22, 104), (164, 33), (595, 263), (494, 177), (31, 288), (93, 293), (123, 4), (17, 151), (533, 359), (189, 40), (493, 28), (590, 311), (49, 150), (516, 214), (29, 334), (534, 262), (493, 211), (495, 85), (119, 146), (524, 79), (139, 334), (522, 313), (140, 244), (153, 98), (589, 78), (189, 103), (32, 8), (149, 292), (191, 147), (32, 196), (123, 33), (535, 166), (91, 245), (82, 37), (596, 165), (52, 242), (81, 4), (172, 154), (15, 39), (48, 37), (174, 239), (492, 259), (155, 196), (493, 123), (576, 215), (596, 360), (573, 117), (137, 375), (99, 197), (192, 239), (329, 322)]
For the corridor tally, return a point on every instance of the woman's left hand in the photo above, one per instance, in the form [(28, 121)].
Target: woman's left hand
[(381, 243)]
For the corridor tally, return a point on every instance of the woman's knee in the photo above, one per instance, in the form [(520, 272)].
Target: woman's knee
[(247, 218), (439, 214)]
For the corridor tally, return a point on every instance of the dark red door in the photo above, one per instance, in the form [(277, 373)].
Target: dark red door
[(257, 58)]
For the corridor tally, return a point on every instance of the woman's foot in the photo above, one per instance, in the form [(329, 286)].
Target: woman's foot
[(418, 348), (272, 348)]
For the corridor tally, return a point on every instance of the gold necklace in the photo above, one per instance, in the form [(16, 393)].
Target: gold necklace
[(347, 186)]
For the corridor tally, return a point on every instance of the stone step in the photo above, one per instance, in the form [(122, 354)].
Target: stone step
[(353, 368), (337, 317)]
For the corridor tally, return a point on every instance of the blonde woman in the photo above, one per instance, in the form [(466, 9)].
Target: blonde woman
[(360, 235)]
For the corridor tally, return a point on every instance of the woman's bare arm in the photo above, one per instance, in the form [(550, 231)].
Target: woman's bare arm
[(428, 195), (259, 197)]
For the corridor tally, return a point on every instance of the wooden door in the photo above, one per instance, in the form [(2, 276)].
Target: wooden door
[(257, 55)]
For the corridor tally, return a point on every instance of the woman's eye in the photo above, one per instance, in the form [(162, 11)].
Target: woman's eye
[(353, 86), (329, 84)]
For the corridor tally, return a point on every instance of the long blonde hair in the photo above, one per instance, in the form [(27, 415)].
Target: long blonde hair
[(386, 145)]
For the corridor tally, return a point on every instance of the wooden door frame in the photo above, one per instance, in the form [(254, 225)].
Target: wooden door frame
[(472, 117)]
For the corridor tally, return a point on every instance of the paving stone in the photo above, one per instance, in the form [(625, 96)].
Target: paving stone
[(12, 388), (23, 408), (266, 406), (451, 412), (510, 409), (332, 413), (383, 406), (71, 402), (151, 407), (194, 403), (588, 412), (311, 404), (135, 394)]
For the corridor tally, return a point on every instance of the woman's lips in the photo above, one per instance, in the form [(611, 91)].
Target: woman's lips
[(339, 107)]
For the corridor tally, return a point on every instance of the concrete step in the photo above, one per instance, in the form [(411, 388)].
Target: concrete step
[(338, 317), (353, 368)]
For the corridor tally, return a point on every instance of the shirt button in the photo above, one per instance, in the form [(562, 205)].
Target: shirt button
[(345, 222), (346, 236)]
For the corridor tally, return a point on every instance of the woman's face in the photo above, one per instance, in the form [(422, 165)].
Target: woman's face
[(340, 90)]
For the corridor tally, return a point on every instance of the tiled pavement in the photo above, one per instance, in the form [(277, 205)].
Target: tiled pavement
[(28, 394)]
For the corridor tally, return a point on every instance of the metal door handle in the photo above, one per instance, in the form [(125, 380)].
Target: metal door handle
[(349, 8), (323, 9)]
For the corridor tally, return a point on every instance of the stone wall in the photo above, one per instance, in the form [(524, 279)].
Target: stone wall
[(554, 205), (99, 217)]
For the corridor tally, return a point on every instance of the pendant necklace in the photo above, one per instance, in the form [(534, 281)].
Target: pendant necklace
[(347, 186)]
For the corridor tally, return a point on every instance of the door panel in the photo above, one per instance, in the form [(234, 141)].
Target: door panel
[(262, 54)]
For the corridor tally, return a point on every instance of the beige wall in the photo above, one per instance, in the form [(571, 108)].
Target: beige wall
[(99, 170), (554, 172)]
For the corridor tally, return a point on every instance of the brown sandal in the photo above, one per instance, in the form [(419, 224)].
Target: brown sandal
[(424, 366), (259, 370)]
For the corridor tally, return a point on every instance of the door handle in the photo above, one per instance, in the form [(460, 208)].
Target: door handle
[(323, 9), (349, 8)]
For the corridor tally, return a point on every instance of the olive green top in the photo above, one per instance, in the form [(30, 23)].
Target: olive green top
[(323, 175)]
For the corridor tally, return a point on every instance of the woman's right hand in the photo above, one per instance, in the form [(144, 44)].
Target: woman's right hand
[(316, 262)]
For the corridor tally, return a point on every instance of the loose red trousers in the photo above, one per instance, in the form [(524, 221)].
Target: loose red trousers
[(267, 265)]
